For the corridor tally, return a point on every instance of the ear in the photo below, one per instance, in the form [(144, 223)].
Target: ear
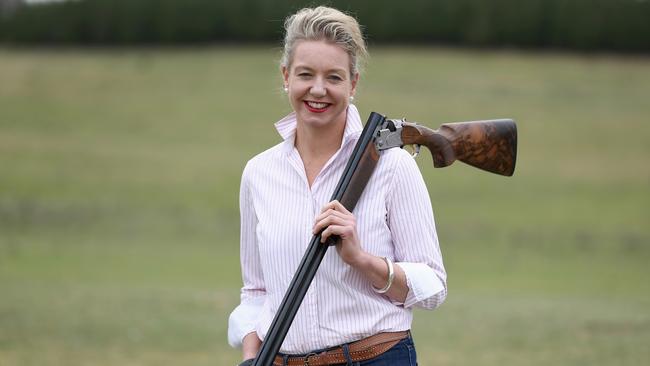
[(285, 74), (354, 81)]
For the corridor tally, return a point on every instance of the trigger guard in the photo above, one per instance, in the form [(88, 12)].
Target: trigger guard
[(415, 150)]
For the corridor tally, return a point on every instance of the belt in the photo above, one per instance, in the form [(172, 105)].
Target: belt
[(360, 350)]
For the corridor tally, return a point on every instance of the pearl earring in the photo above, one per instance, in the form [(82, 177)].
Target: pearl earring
[(351, 98), (286, 89)]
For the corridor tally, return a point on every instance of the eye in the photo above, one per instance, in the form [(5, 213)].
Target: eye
[(304, 74), (335, 77)]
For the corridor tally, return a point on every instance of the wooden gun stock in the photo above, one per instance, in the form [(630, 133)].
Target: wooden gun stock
[(488, 145)]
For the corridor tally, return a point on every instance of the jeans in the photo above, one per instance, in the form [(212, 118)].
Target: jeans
[(401, 354)]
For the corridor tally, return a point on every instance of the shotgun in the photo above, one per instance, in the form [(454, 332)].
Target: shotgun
[(488, 145)]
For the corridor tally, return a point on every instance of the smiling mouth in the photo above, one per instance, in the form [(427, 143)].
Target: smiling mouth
[(316, 107)]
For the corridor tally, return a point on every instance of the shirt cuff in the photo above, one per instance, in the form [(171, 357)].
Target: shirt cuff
[(242, 320), (422, 281)]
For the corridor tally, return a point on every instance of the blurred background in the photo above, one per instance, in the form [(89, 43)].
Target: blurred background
[(125, 125)]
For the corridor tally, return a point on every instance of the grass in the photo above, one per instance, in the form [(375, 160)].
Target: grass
[(119, 172)]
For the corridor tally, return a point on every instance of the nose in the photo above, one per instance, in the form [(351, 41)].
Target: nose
[(318, 88)]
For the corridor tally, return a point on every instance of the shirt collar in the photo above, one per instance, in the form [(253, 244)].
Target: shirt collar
[(286, 127)]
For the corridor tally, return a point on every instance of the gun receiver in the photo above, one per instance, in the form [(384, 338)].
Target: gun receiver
[(489, 145)]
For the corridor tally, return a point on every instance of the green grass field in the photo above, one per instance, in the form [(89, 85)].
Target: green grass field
[(119, 174)]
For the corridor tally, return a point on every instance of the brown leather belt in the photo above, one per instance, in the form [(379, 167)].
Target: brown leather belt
[(361, 350)]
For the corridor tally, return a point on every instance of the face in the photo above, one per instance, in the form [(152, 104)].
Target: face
[(319, 83)]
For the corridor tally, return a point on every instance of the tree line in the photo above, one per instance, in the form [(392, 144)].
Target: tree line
[(617, 25)]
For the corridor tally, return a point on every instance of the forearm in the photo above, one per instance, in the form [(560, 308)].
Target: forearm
[(376, 271), (250, 345)]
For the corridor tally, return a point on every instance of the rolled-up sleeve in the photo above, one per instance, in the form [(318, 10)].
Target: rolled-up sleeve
[(243, 319), (413, 231)]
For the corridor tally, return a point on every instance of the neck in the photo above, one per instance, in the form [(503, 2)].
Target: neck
[(319, 143)]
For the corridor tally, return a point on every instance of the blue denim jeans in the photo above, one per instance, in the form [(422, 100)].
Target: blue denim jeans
[(401, 354)]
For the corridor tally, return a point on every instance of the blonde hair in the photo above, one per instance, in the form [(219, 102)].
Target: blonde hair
[(324, 24)]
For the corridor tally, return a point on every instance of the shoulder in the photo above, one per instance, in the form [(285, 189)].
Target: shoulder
[(396, 155), (398, 161), (263, 161), (401, 170)]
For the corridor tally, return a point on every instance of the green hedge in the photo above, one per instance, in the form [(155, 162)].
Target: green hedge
[(576, 24)]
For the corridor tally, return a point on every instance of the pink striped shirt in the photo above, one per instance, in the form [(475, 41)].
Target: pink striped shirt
[(278, 208)]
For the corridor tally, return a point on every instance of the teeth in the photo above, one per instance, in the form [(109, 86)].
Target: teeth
[(317, 105)]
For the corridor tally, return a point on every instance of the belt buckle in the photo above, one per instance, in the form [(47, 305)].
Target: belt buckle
[(306, 363)]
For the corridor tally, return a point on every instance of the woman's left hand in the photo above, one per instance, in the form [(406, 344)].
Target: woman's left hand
[(337, 220)]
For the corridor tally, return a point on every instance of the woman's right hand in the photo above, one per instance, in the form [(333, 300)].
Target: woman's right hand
[(250, 345)]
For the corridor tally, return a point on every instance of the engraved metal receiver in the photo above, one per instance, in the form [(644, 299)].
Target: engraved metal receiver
[(389, 135)]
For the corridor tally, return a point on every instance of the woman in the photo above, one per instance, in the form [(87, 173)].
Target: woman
[(358, 309)]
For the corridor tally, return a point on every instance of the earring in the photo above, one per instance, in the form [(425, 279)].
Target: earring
[(286, 89), (351, 98)]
